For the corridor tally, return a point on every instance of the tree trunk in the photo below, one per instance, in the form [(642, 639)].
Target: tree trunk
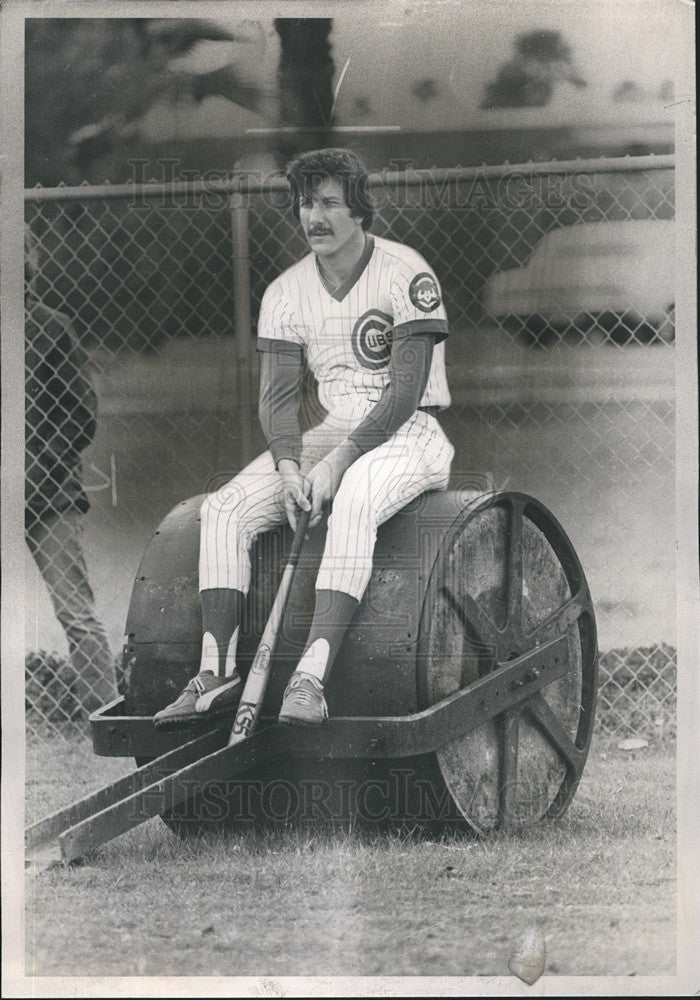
[(305, 78)]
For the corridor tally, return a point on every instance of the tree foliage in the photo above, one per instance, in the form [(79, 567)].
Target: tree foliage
[(628, 91), (541, 60), (89, 80)]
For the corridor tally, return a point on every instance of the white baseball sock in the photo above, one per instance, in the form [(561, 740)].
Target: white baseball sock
[(210, 654), (315, 659), (221, 615), (333, 613)]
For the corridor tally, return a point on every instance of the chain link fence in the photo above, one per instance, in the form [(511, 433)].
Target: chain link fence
[(558, 282)]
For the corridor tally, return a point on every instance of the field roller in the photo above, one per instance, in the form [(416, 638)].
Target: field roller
[(464, 693)]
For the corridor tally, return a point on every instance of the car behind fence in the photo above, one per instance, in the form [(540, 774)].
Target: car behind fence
[(163, 285)]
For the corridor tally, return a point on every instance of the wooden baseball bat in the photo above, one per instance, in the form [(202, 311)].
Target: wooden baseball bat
[(256, 682)]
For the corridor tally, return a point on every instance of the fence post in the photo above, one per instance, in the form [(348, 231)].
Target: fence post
[(243, 323)]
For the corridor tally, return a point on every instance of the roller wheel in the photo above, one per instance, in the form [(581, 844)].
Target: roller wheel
[(508, 580)]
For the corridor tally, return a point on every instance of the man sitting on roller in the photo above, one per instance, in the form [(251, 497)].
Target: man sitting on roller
[(367, 314)]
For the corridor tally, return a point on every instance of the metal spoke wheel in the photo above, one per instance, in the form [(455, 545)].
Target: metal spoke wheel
[(507, 580)]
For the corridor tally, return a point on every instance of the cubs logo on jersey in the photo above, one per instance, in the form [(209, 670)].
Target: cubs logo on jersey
[(423, 292), (371, 339)]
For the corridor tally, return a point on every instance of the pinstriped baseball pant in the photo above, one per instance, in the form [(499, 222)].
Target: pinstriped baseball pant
[(380, 483)]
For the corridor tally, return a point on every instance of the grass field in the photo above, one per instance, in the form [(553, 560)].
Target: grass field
[(600, 883)]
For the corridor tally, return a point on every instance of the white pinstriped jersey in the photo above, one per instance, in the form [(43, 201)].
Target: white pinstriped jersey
[(347, 332)]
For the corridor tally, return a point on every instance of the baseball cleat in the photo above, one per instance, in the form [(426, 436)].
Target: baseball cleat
[(226, 695), (303, 701), (184, 708)]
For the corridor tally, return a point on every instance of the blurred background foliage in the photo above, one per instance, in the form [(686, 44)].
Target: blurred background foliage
[(220, 95)]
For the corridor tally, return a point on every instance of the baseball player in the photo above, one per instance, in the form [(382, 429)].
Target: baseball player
[(368, 315)]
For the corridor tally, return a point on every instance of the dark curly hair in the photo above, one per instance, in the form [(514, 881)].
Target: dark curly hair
[(304, 172)]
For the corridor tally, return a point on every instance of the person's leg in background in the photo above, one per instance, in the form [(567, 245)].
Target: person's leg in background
[(55, 544)]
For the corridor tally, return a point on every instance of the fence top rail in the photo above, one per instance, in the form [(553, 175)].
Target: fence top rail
[(252, 183)]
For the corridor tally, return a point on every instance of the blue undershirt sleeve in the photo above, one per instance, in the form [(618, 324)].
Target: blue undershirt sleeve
[(409, 369), (278, 408)]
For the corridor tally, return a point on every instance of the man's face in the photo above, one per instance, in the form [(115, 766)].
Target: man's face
[(326, 218)]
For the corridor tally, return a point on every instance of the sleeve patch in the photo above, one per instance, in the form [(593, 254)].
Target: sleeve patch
[(424, 292)]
